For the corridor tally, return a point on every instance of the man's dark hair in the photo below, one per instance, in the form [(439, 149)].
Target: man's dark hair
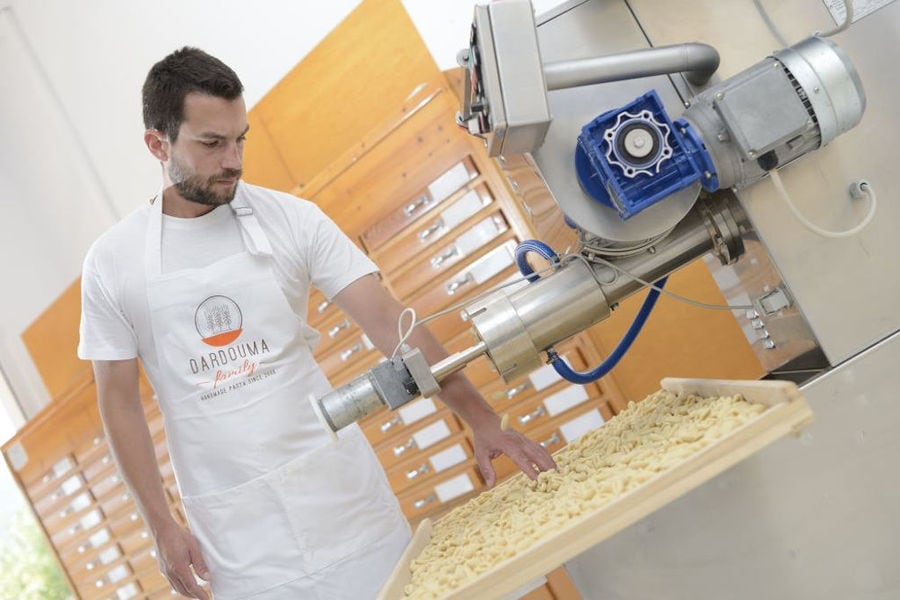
[(177, 75)]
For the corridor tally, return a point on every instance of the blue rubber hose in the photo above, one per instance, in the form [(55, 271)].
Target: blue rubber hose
[(569, 374), (522, 251)]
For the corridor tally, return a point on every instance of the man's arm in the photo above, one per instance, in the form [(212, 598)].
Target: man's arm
[(129, 439), (377, 311)]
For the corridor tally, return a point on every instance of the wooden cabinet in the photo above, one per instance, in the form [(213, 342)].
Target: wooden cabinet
[(64, 466)]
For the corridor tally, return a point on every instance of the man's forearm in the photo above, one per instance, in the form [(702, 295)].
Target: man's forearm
[(132, 448)]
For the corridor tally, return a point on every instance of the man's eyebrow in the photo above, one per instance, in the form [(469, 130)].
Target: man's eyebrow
[(218, 136)]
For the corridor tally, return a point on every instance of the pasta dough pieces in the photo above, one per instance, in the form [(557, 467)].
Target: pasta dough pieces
[(646, 439)]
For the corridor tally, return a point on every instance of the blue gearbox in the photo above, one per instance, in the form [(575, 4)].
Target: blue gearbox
[(632, 157)]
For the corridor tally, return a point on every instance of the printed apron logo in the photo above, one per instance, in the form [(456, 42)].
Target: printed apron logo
[(219, 322)]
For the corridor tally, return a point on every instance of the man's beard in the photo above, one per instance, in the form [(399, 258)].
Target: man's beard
[(194, 188)]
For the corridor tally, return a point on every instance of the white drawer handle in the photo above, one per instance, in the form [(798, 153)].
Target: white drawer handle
[(540, 412), (426, 500), (398, 450), (334, 331), (437, 261), (390, 424), (430, 230), (510, 394), (417, 472), (323, 306), (553, 439), (416, 205), (346, 354), (453, 286)]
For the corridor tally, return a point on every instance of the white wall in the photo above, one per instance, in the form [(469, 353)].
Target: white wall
[(73, 160)]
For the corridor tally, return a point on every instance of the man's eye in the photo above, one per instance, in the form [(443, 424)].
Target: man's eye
[(212, 144), (242, 139)]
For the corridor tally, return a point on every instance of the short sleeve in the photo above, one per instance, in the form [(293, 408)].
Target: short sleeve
[(105, 333), (335, 261)]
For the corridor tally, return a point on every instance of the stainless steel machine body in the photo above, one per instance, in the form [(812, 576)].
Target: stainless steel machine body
[(814, 518), (810, 519)]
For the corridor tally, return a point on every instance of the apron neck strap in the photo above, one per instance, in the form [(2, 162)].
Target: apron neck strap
[(252, 234), (254, 237)]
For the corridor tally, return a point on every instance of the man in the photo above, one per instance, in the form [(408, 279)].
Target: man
[(208, 285)]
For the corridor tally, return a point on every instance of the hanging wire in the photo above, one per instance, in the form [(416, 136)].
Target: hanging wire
[(848, 19), (864, 186)]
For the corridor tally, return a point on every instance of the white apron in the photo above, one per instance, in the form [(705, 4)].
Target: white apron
[(274, 503)]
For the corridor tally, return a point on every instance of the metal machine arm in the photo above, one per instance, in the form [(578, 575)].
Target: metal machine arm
[(515, 328)]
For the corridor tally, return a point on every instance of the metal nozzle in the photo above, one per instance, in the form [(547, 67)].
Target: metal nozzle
[(393, 383)]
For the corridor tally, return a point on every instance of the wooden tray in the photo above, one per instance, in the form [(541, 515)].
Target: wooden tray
[(788, 413)]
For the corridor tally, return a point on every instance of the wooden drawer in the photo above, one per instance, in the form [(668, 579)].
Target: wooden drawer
[(525, 180), (336, 331), (492, 267), (75, 546), (526, 416), (452, 486), (136, 541), (425, 435), (60, 498), (352, 351), (90, 450), (109, 567), (116, 501), (46, 489), (423, 237), (72, 510), (320, 309), (99, 468), (420, 204), (448, 454), (475, 242), (389, 424)]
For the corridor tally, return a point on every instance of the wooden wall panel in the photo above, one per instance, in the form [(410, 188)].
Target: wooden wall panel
[(352, 81), (263, 163), (52, 342)]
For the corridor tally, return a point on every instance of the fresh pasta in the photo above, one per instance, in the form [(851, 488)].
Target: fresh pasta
[(647, 438)]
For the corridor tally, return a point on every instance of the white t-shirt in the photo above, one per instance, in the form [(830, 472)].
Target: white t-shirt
[(308, 249)]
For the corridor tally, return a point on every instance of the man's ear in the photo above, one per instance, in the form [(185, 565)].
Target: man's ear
[(157, 143)]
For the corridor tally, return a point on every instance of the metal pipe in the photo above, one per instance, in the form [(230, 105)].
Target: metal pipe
[(688, 241), (697, 61), (519, 325), (457, 361)]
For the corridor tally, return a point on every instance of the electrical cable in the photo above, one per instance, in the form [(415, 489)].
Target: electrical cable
[(773, 29), (528, 246), (673, 295), (848, 20), (863, 186), (582, 377), (562, 260), (400, 335), (769, 23)]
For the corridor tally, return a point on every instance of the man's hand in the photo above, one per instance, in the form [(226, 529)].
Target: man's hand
[(177, 551), (491, 442)]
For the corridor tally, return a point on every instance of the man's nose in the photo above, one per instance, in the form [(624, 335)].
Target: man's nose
[(233, 157)]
